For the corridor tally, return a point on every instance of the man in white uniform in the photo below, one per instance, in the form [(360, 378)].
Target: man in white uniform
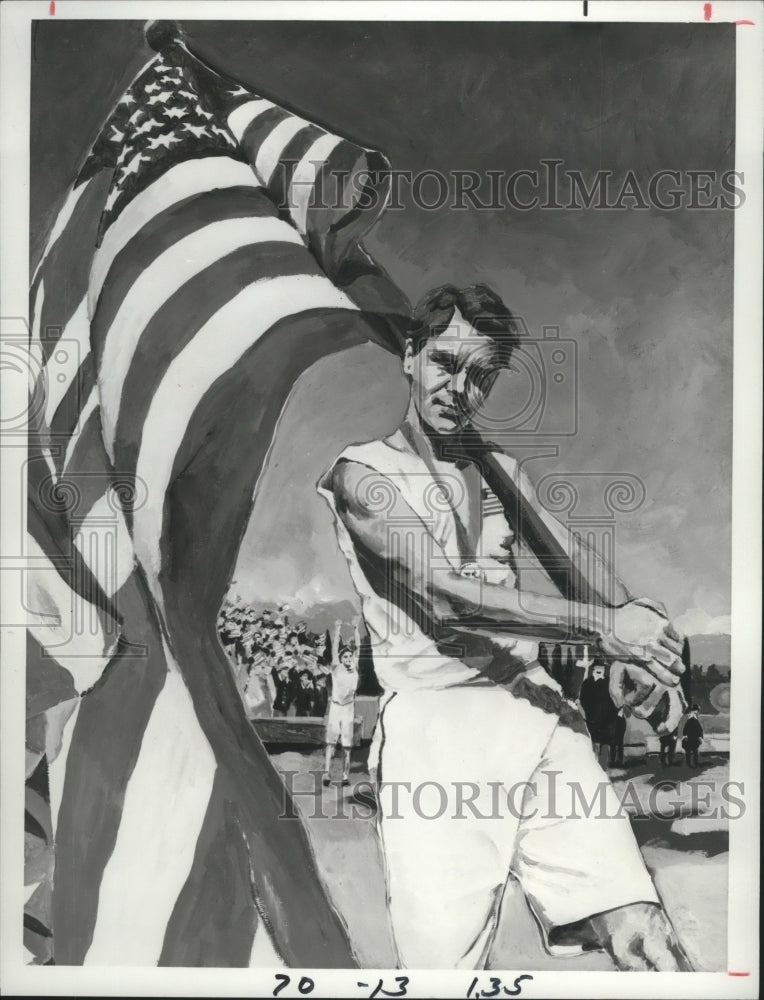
[(467, 709), (341, 715)]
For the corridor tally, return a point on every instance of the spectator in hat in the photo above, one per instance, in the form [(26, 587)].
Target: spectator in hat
[(692, 737)]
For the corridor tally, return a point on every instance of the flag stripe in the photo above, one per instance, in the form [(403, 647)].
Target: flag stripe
[(104, 541), (209, 927), (160, 234), (57, 768), (176, 279), (180, 182), (67, 417), (271, 148), (280, 186), (209, 458), (37, 387), (244, 318), (66, 268), (258, 130), (48, 682), (48, 522), (205, 510), (242, 117), (104, 748), (174, 326), (91, 405), (264, 954), (63, 622), (89, 474), (332, 232), (60, 224), (38, 438), (304, 178), (71, 351), (163, 813)]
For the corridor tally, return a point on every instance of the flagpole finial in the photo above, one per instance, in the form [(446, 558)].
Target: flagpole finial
[(160, 34)]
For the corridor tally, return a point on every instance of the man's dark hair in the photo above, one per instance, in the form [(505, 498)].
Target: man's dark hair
[(478, 304)]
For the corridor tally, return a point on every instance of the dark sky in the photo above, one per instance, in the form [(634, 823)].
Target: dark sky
[(645, 295)]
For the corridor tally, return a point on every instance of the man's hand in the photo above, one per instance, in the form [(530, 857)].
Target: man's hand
[(642, 634), (640, 938), (637, 688)]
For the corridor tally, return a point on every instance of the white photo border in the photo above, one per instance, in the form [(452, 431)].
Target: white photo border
[(741, 979)]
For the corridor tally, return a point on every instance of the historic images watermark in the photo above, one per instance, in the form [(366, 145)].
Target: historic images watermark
[(549, 185), (546, 798)]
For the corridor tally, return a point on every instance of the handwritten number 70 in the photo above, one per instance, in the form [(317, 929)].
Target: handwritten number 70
[(305, 985)]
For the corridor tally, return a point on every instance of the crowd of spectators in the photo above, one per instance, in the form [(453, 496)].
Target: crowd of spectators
[(280, 667)]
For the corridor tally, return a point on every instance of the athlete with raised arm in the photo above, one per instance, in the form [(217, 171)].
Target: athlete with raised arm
[(341, 716)]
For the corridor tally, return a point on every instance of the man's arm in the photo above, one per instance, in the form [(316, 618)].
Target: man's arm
[(589, 577), (442, 598), (357, 639), (336, 640)]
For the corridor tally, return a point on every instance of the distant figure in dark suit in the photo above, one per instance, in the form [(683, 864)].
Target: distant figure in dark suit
[(668, 747), (692, 736), (616, 741), (320, 695), (598, 707), (303, 696)]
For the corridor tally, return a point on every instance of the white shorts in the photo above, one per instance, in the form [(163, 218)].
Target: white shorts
[(478, 762), (339, 724)]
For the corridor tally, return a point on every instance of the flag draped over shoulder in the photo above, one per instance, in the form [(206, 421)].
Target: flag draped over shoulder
[(207, 254)]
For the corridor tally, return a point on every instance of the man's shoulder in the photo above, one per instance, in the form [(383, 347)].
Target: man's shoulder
[(357, 477), (348, 481), (349, 463)]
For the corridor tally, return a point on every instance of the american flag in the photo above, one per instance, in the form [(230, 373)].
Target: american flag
[(207, 254)]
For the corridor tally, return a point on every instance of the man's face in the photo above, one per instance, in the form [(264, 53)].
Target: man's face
[(451, 375), (599, 673)]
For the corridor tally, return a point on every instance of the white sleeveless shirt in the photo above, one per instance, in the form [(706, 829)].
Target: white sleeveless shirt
[(405, 658)]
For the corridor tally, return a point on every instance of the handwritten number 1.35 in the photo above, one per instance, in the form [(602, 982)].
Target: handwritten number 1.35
[(496, 988)]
